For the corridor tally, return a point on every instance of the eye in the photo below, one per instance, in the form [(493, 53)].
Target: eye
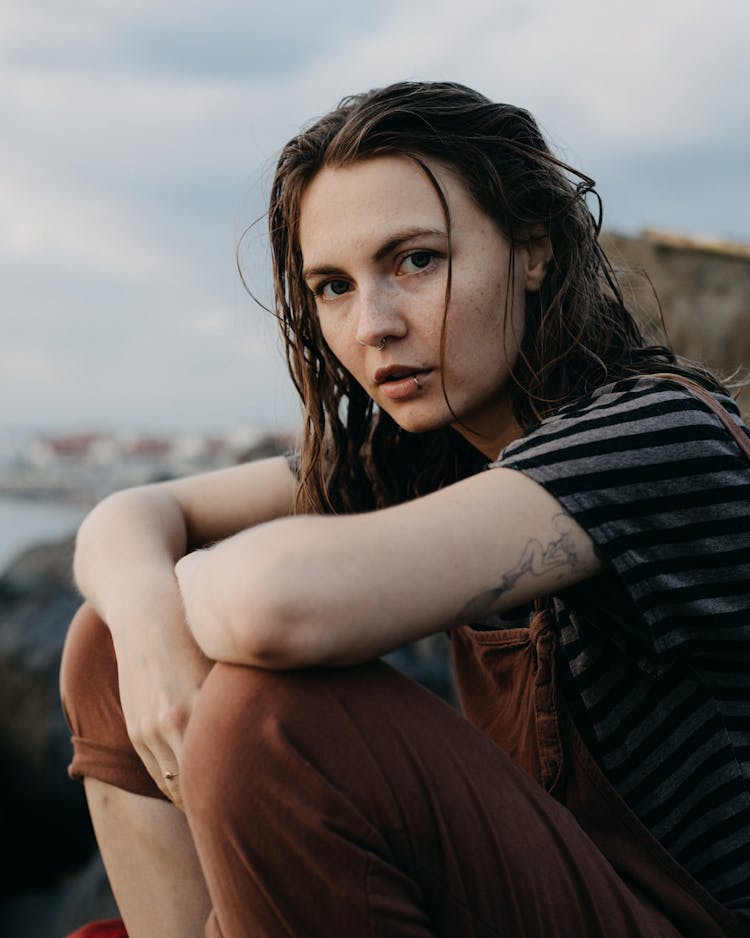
[(330, 289), (417, 260)]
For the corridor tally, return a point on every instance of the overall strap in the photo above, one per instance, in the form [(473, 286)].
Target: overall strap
[(710, 401)]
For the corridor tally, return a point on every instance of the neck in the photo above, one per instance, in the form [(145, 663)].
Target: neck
[(490, 445)]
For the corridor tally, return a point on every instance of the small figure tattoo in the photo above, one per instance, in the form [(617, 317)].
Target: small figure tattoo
[(536, 559)]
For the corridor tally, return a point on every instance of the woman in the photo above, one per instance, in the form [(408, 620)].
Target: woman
[(445, 303)]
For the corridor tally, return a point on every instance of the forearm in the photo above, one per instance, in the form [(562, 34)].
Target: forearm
[(318, 590), (127, 547), (339, 590), (312, 590)]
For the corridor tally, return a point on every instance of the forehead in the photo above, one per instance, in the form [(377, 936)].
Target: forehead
[(363, 203)]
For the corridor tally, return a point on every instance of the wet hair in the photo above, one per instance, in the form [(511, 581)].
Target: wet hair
[(578, 332)]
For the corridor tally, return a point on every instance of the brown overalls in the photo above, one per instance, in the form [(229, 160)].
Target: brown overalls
[(353, 802)]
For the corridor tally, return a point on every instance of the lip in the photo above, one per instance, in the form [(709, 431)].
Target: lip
[(396, 372), (401, 382)]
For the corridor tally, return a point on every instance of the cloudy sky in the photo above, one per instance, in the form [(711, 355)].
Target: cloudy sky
[(138, 140)]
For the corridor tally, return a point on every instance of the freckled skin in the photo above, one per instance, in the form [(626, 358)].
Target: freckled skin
[(371, 283)]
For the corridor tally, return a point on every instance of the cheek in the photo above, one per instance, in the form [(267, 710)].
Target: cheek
[(485, 330), (340, 347), (478, 314), (332, 336), (517, 324)]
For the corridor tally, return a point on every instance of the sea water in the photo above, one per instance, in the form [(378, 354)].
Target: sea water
[(26, 522)]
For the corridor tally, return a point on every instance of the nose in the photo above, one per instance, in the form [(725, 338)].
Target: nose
[(381, 315)]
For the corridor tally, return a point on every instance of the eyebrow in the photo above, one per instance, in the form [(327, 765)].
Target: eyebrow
[(398, 238)]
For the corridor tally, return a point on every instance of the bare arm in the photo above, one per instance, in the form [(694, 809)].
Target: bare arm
[(338, 590), (161, 522), (124, 565)]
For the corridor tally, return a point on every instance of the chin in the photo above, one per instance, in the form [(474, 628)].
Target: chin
[(421, 423)]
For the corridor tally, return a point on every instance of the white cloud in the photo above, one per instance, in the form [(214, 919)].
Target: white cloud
[(45, 26), (26, 363), (95, 233), (135, 135)]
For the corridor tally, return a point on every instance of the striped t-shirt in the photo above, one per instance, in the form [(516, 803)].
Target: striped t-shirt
[(655, 652)]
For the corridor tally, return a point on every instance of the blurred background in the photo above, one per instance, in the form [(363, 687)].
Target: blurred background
[(138, 142)]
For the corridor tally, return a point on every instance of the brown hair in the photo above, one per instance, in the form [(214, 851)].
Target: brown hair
[(578, 332)]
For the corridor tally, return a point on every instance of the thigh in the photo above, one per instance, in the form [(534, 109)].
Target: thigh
[(356, 796)]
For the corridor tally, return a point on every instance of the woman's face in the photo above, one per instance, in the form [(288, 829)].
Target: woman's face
[(375, 252)]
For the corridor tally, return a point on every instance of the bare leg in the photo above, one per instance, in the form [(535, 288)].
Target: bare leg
[(151, 863)]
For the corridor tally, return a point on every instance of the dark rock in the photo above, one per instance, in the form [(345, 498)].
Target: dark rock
[(61, 908), (47, 834), (428, 661)]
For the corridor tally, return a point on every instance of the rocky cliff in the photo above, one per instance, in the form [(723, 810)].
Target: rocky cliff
[(703, 287)]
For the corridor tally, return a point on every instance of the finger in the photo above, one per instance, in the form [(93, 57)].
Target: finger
[(168, 766), (164, 770), (168, 757), (172, 781)]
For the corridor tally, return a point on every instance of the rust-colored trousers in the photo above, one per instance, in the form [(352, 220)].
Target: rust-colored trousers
[(355, 803)]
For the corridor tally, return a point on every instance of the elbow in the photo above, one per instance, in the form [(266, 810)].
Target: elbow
[(279, 625), (88, 540), (276, 643), (277, 632), (265, 634), (264, 622), (264, 597)]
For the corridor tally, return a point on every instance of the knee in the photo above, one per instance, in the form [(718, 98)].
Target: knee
[(88, 671), (262, 744), (252, 730), (237, 711), (248, 709), (234, 714)]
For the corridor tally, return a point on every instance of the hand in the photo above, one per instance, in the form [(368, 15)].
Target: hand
[(161, 671)]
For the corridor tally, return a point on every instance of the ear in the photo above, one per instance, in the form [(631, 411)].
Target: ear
[(537, 255)]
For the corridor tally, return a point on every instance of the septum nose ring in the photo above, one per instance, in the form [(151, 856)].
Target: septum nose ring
[(379, 347)]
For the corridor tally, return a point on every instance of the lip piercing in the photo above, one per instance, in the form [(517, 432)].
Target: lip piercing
[(379, 347), (416, 381)]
